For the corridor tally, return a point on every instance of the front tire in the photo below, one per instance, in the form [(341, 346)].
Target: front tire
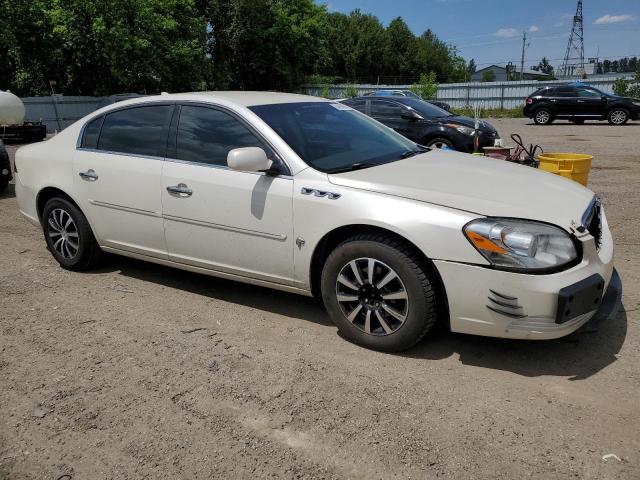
[(618, 116), (440, 142), (378, 293), (543, 116), (69, 236)]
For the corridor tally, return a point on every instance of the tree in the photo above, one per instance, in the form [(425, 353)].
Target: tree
[(471, 68), (544, 66), (488, 76), (399, 49), (427, 87), (96, 47)]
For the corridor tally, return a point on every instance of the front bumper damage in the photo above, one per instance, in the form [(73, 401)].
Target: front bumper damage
[(497, 303)]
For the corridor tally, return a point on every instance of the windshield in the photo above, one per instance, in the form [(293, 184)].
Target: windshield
[(426, 109), (332, 137)]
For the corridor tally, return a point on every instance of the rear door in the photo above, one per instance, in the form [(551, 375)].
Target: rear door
[(565, 101), (225, 220), (117, 173)]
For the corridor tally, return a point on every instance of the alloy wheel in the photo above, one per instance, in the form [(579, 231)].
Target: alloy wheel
[(542, 116), (63, 232), (372, 296), (618, 117)]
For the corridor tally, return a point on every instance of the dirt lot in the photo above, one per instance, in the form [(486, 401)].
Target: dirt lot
[(140, 371)]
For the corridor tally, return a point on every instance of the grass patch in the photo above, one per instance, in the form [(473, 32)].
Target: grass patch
[(491, 112)]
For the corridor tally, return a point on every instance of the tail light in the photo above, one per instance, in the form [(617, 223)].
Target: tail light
[(529, 101)]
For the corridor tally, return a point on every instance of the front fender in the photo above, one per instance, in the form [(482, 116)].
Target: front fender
[(434, 229)]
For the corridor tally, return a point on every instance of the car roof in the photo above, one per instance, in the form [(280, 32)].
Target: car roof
[(242, 98)]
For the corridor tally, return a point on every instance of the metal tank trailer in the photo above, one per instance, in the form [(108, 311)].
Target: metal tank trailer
[(12, 124)]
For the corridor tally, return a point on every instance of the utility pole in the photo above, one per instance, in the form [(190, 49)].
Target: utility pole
[(524, 45)]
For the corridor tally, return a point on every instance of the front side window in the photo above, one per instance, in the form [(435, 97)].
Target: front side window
[(332, 137), (137, 131), (206, 135), (588, 92)]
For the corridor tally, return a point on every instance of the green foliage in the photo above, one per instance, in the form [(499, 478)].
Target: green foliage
[(350, 91), (488, 76), (491, 112), (427, 87), (101, 47), (324, 92), (628, 88)]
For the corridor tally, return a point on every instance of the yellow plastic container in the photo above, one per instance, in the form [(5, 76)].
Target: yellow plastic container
[(574, 166)]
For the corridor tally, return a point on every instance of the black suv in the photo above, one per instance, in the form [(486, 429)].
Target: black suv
[(424, 123), (578, 103)]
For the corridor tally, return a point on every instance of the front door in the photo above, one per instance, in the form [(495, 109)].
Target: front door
[(218, 218), (590, 103), (390, 114), (117, 172)]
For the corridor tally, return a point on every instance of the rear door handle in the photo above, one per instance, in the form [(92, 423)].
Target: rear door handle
[(181, 190), (90, 175), (580, 101)]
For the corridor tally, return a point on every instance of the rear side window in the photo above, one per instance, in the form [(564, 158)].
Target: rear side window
[(565, 92), (206, 135), (385, 109), (91, 133), (137, 131), (359, 105)]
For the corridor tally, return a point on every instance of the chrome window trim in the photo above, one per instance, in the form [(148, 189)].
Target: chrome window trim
[(222, 167), (214, 106)]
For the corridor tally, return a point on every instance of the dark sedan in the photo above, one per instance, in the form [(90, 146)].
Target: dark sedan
[(425, 123), (578, 102)]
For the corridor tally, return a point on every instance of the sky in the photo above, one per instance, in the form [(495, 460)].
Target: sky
[(490, 31)]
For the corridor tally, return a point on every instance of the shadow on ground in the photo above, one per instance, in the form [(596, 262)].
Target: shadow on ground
[(577, 356), (9, 192)]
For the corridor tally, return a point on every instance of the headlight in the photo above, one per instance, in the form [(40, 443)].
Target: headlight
[(461, 128), (520, 244), (637, 104)]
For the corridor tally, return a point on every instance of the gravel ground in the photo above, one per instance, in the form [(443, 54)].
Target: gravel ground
[(140, 371)]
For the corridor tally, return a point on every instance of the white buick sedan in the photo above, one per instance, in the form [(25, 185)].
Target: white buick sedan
[(309, 196)]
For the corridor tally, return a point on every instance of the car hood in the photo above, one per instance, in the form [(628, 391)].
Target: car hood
[(476, 184), (469, 122)]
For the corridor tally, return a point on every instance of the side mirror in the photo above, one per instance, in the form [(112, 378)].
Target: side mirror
[(410, 115), (248, 159)]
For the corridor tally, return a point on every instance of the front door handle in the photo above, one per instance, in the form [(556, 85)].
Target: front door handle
[(90, 175), (180, 190)]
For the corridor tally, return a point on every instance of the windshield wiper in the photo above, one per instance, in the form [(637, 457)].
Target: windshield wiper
[(353, 166), (411, 153)]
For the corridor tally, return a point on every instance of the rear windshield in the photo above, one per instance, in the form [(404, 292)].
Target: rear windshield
[(332, 137)]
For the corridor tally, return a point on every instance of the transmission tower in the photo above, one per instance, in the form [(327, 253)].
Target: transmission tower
[(574, 57)]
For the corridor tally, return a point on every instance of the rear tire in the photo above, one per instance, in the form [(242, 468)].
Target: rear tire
[(618, 116), (543, 116), (378, 293), (69, 236)]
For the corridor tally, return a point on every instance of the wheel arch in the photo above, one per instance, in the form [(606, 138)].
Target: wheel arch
[(338, 235), (47, 193)]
